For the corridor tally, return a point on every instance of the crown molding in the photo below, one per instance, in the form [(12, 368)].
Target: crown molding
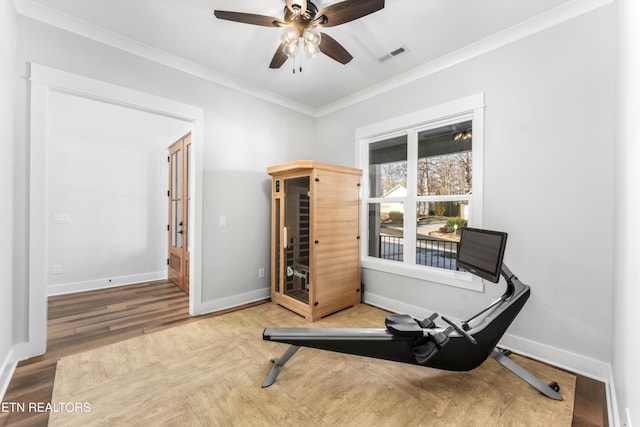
[(69, 23), (526, 28)]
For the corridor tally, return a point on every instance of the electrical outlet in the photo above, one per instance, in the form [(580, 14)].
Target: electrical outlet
[(260, 272), (61, 218), (56, 269), (222, 221)]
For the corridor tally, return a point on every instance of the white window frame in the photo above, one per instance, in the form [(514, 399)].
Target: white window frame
[(463, 109)]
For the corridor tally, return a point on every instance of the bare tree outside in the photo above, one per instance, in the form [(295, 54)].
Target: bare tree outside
[(448, 174), (392, 175)]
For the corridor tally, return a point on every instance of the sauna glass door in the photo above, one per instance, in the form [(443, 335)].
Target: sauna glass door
[(296, 238)]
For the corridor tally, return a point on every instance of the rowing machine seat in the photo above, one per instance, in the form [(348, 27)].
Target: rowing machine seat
[(403, 325)]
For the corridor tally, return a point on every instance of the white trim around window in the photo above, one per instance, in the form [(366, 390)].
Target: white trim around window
[(468, 108)]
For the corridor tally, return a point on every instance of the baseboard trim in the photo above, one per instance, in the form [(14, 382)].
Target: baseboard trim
[(7, 368), (560, 358), (233, 301), (395, 305), (92, 285), (612, 402)]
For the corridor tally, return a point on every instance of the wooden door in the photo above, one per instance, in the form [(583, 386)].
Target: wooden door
[(179, 200), (296, 238)]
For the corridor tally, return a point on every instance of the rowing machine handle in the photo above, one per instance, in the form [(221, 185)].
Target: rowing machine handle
[(460, 330)]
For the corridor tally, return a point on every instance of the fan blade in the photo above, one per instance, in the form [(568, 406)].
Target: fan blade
[(279, 58), (249, 18), (334, 50), (346, 11), (301, 3)]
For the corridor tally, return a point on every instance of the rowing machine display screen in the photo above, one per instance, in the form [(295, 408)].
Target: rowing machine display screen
[(481, 251)]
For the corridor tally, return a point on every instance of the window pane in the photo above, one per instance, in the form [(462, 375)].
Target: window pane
[(444, 160), (176, 174), (297, 224), (276, 243), (388, 167), (386, 231), (189, 170), (176, 224), (438, 232)]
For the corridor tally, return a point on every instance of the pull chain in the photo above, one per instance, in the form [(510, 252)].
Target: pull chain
[(300, 56), (301, 62)]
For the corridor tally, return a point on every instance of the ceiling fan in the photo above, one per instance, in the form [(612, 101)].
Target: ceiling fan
[(300, 26)]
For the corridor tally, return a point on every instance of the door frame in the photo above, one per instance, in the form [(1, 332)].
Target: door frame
[(42, 81)]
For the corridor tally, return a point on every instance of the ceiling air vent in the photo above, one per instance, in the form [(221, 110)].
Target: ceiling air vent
[(392, 54)]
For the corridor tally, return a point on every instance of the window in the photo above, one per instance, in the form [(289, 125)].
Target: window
[(422, 176)]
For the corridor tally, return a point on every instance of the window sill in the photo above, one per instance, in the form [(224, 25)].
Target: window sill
[(457, 279)]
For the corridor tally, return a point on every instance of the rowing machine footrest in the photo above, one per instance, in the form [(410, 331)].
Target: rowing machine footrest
[(427, 349)]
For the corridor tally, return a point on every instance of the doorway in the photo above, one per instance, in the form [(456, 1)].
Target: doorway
[(179, 201), (43, 81)]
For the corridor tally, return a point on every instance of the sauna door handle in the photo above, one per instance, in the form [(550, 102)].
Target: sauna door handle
[(285, 237)]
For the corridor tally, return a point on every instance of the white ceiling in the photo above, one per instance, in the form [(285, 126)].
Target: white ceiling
[(186, 35)]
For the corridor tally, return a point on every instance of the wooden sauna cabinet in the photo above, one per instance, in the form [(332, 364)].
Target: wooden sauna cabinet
[(315, 228)]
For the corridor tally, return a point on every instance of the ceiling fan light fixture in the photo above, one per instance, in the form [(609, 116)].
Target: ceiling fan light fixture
[(291, 49), (299, 26), (461, 136), (311, 38), (289, 35), (290, 40), (311, 51)]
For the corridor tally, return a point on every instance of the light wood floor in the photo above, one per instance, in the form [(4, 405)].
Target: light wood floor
[(83, 321)]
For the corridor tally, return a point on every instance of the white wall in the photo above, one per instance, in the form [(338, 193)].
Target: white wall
[(626, 347), (108, 175), (242, 136), (549, 138), (7, 137), (549, 134)]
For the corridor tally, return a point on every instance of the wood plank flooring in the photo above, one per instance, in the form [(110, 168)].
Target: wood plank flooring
[(83, 321)]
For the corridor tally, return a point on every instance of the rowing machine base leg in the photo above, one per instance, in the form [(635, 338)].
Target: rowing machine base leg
[(278, 364), (525, 375)]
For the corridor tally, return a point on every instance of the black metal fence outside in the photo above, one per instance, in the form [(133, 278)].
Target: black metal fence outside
[(429, 252)]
